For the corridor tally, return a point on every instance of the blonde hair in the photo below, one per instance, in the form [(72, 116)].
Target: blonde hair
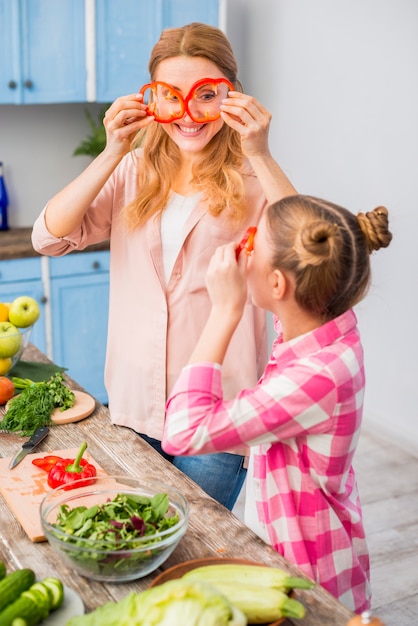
[(326, 248), (217, 173)]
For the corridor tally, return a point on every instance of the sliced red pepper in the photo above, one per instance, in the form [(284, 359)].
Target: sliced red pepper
[(246, 242), (46, 462), (66, 471)]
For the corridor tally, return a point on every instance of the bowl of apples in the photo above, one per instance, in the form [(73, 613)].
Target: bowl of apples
[(16, 323)]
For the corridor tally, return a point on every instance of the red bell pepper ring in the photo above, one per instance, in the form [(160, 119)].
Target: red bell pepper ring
[(246, 242), (66, 471), (46, 462)]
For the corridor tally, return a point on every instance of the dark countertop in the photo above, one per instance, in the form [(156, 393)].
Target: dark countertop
[(16, 244)]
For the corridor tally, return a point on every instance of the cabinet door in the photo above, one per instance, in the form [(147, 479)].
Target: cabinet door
[(124, 38), (22, 277), (9, 51), (125, 34), (43, 51), (180, 12), (79, 313)]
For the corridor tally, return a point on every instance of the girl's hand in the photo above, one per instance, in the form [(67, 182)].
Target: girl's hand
[(227, 282), (123, 119), (247, 116)]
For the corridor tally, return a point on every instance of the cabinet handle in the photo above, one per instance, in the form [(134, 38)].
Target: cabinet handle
[(12, 84), (96, 265), (28, 84), (43, 299)]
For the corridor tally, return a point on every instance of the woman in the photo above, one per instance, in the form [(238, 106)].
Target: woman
[(302, 421), (202, 174)]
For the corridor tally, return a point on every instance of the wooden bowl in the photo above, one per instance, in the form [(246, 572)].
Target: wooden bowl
[(178, 571)]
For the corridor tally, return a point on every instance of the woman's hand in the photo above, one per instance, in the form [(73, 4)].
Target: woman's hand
[(252, 121), (226, 282), (247, 116), (123, 119)]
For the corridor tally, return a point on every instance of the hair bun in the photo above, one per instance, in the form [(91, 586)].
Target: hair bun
[(317, 242), (375, 228)]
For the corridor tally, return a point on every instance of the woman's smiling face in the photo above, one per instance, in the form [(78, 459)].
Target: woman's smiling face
[(181, 73)]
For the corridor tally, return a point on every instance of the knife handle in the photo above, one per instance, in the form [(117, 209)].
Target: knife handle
[(37, 437)]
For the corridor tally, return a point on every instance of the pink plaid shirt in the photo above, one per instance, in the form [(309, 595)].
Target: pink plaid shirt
[(303, 422)]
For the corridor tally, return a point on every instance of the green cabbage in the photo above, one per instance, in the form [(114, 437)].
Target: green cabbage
[(174, 603)]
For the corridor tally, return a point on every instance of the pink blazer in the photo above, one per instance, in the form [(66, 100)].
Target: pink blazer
[(153, 327)]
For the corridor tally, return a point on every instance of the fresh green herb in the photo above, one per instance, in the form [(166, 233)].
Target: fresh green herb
[(129, 525), (36, 402)]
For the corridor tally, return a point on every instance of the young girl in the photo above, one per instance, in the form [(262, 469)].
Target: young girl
[(310, 266), (202, 174)]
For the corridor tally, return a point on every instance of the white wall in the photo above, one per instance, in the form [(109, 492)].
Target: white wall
[(36, 146), (341, 80)]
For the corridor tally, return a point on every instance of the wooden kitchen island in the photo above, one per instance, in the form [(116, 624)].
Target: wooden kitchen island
[(212, 530)]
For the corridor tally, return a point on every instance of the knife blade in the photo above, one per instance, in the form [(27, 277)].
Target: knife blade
[(29, 445)]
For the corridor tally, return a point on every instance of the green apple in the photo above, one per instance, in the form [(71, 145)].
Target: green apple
[(10, 340), (24, 311)]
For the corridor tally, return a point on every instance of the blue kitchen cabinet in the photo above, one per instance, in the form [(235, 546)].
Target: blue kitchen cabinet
[(42, 48), (180, 12), (124, 38), (22, 277), (79, 286)]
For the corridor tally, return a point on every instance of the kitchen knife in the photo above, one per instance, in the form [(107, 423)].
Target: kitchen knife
[(29, 445)]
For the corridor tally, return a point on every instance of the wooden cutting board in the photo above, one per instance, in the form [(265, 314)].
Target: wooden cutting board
[(83, 406), (24, 487)]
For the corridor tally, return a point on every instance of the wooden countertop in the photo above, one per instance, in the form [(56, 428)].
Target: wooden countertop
[(16, 244), (212, 530)]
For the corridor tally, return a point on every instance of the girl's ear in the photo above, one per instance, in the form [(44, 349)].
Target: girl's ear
[(281, 285)]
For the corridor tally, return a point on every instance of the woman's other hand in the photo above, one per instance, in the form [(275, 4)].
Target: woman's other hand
[(122, 121), (246, 115)]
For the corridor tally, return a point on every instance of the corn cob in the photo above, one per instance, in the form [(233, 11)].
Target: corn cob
[(263, 576), (261, 605)]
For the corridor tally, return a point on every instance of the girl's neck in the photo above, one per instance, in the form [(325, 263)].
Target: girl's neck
[(296, 322)]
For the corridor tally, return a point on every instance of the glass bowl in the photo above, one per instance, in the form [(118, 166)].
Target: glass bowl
[(12, 345), (113, 555)]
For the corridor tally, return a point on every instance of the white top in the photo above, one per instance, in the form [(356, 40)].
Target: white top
[(172, 221), (251, 518)]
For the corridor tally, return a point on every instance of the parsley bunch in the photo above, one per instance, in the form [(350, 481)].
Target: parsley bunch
[(33, 407)]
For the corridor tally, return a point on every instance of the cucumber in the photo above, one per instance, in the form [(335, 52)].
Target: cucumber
[(14, 584), (34, 604), (56, 591), (40, 595), (2, 570), (28, 607)]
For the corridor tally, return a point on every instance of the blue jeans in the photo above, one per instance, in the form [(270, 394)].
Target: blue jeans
[(221, 475)]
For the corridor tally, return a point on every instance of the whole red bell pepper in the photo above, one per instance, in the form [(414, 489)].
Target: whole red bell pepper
[(246, 242), (66, 471)]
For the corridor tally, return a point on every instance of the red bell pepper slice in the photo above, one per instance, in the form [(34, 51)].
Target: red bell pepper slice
[(246, 242), (66, 471), (46, 462)]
